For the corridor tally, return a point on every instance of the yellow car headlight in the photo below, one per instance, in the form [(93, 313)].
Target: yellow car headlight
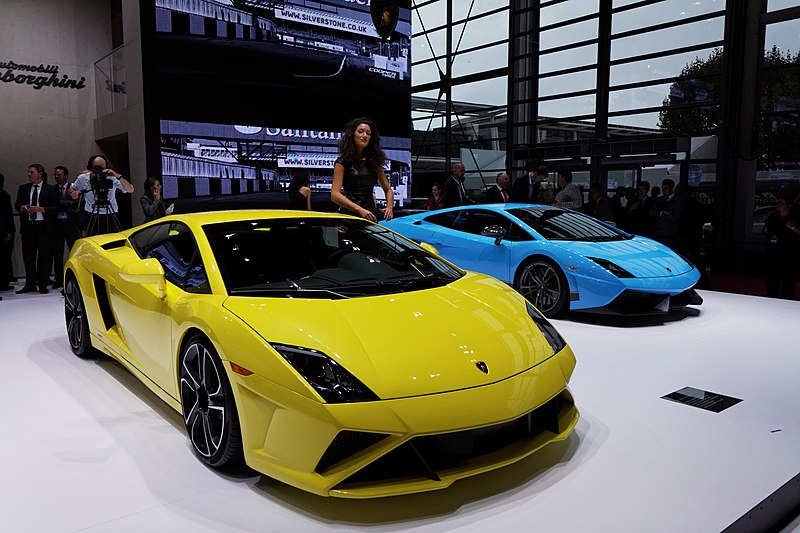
[(331, 380)]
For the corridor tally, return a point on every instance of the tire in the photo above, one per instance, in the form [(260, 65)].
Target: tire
[(544, 285), (77, 324), (209, 409)]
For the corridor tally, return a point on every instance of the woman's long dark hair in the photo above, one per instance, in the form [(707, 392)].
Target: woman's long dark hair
[(299, 179), (373, 154)]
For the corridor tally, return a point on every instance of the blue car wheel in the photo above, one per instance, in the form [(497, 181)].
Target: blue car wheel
[(544, 285)]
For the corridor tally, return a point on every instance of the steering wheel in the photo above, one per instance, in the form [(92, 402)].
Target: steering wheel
[(332, 260), (387, 254)]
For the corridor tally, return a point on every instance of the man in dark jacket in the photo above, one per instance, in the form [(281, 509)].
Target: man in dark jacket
[(599, 205), (639, 210), (453, 192), (526, 188), (498, 193), (37, 203), (65, 226), (7, 231), (666, 214)]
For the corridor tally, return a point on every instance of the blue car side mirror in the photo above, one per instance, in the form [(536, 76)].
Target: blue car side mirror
[(494, 231)]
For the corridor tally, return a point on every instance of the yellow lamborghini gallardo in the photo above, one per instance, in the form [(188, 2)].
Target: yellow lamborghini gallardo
[(323, 350)]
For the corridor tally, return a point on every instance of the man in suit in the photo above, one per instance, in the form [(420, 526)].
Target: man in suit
[(7, 231), (453, 192), (498, 193), (666, 213), (37, 203), (599, 205), (526, 188), (65, 225), (639, 210)]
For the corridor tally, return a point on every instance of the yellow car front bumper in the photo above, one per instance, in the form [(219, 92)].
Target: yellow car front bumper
[(405, 445)]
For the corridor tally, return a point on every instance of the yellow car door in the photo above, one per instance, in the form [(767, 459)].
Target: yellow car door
[(151, 294)]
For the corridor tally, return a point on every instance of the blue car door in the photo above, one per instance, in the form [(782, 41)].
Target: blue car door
[(461, 242)]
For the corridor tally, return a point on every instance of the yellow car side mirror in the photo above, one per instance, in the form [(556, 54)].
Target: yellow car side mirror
[(429, 248), (146, 271)]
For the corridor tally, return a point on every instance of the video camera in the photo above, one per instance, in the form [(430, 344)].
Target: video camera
[(99, 181)]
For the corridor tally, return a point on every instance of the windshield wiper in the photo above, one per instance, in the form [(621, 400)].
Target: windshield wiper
[(431, 282), (294, 290)]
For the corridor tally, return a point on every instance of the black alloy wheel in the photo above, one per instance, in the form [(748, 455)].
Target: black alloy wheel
[(544, 285), (77, 324), (209, 410)]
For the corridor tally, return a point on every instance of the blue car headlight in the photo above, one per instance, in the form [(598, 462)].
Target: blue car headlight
[(554, 339), (611, 267), (331, 381)]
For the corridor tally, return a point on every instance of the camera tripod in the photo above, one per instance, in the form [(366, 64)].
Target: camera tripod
[(102, 219)]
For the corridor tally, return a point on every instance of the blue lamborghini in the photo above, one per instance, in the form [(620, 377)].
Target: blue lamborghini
[(557, 258)]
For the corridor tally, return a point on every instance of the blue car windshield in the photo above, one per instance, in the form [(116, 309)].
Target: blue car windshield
[(321, 258), (556, 224)]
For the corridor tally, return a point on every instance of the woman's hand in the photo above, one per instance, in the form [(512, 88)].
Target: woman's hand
[(365, 213)]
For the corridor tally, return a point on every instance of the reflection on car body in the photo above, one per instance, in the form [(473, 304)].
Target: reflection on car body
[(274, 334), (559, 259)]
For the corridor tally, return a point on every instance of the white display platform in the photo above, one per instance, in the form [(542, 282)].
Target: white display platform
[(85, 447)]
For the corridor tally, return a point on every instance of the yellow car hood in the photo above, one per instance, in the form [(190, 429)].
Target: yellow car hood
[(413, 343)]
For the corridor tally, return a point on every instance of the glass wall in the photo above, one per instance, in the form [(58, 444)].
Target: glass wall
[(459, 75), (778, 173), (620, 92)]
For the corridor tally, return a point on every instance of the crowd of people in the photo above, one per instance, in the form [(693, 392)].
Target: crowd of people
[(52, 216), (665, 213), (669, 214)]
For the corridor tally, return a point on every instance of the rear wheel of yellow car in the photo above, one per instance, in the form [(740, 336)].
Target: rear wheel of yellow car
[(77, 323), (209, 409)]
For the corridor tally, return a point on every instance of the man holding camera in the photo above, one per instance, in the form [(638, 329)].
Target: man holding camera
[(99, 187)]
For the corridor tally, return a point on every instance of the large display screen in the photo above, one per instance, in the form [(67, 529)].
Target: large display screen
[(247, 92), (203, 159)]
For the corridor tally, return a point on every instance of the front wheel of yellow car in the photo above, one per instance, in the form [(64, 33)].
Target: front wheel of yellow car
[(77, 323), (209, 410)]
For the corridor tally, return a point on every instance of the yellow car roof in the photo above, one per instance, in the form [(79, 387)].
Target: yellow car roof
[(209, 217)]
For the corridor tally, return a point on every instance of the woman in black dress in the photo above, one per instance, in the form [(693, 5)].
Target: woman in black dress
[(299, 192), (357, 170)]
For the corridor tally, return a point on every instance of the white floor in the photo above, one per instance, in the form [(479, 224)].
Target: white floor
[(85, 447)]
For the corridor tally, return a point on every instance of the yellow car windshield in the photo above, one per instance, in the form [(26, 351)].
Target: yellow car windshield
[(322, 258)]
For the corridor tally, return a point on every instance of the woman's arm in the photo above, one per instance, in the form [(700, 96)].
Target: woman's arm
[(305, 191), (388, 192), (340, 199)]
